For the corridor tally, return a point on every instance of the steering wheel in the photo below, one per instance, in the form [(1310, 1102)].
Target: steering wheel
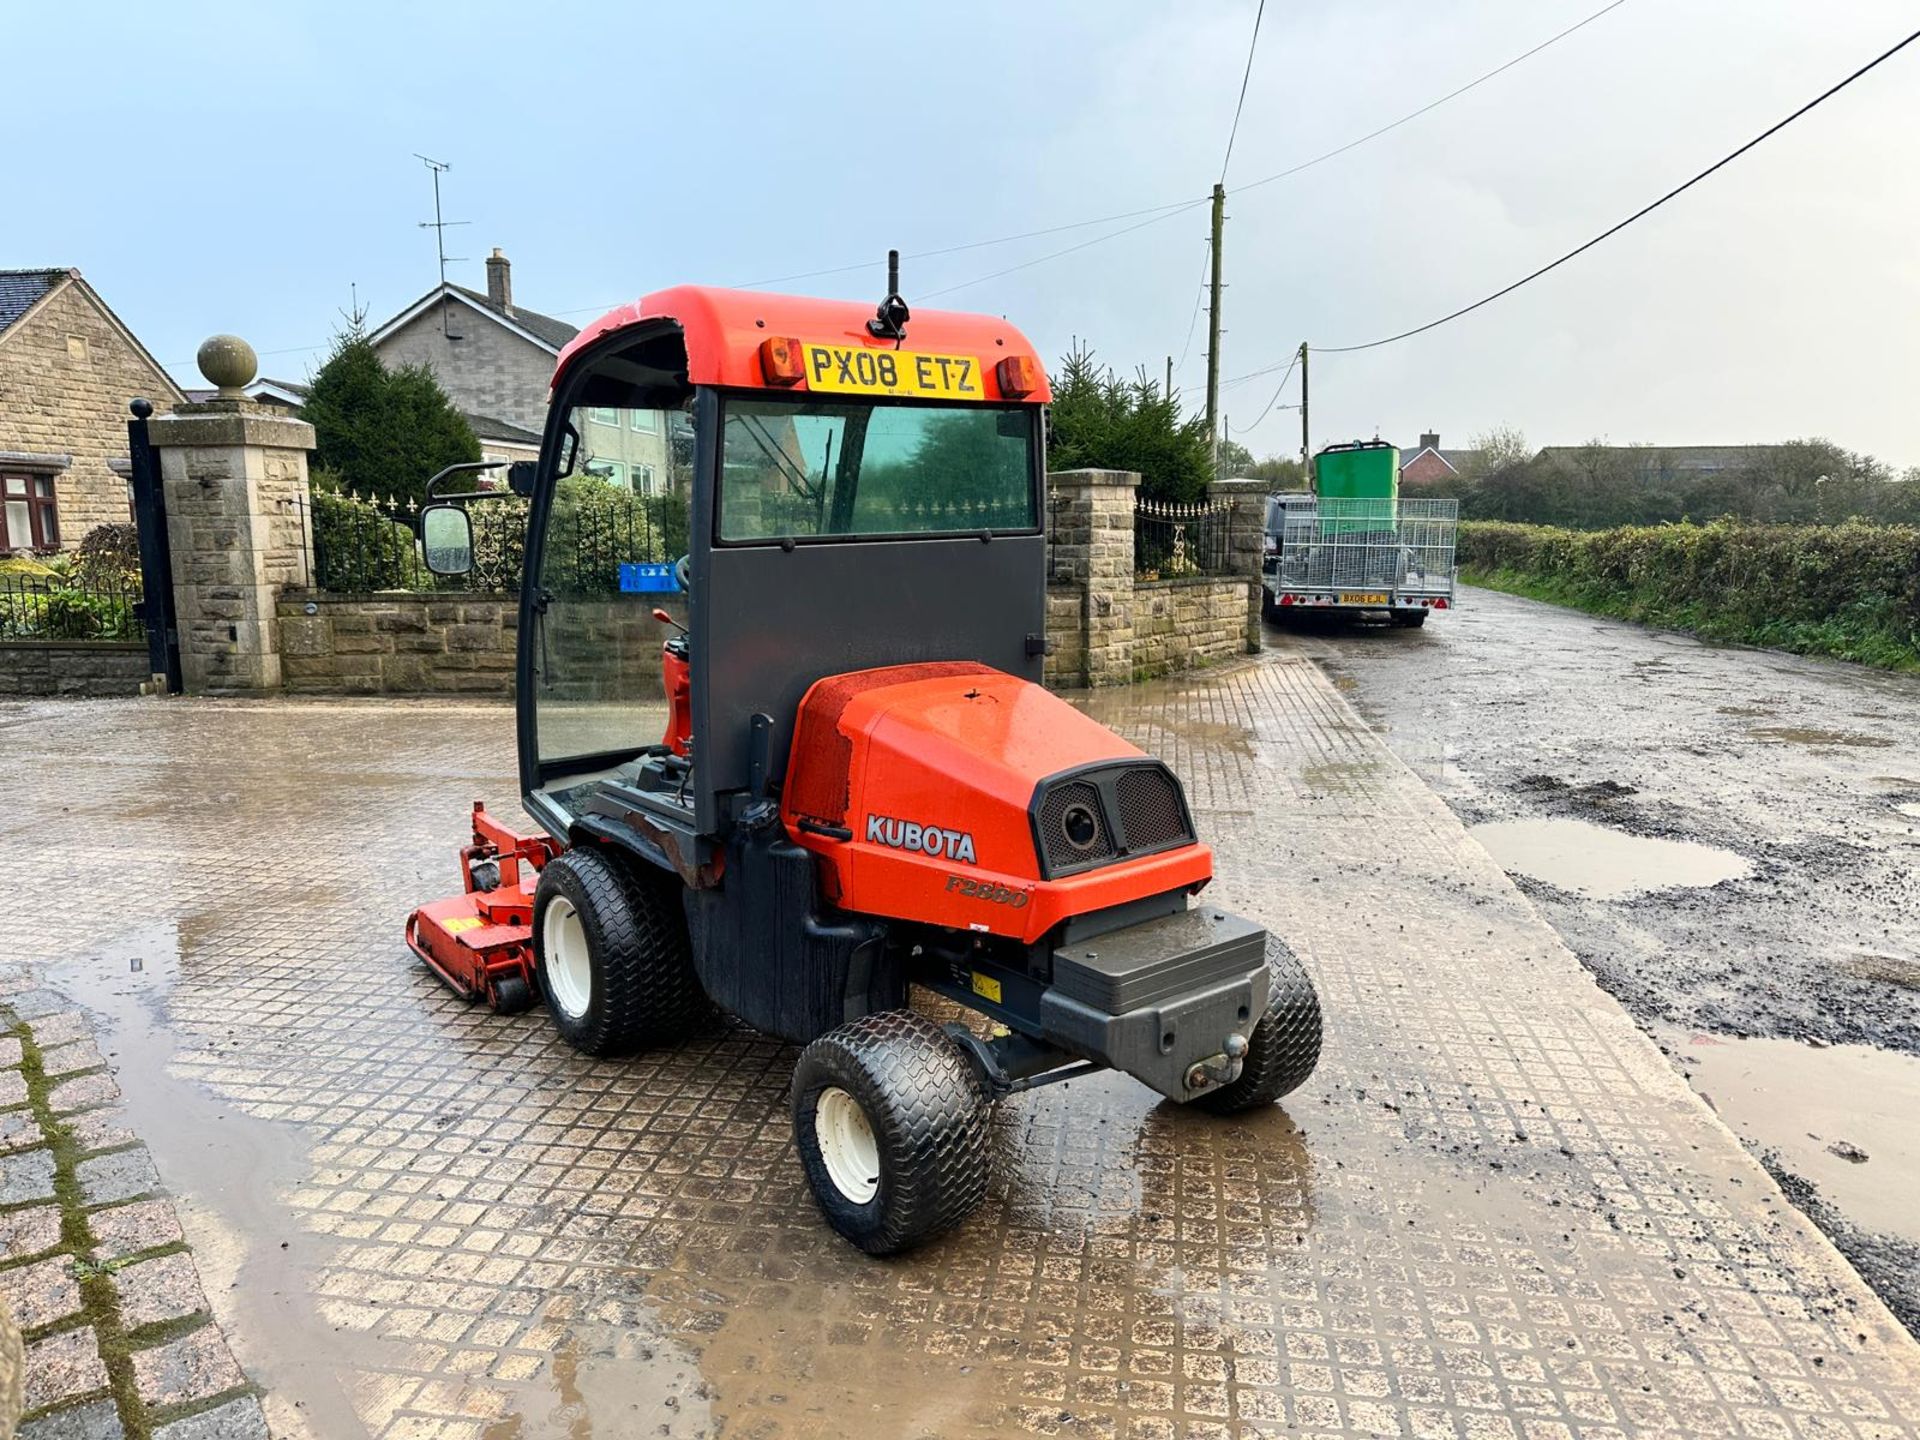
[(683, 573)]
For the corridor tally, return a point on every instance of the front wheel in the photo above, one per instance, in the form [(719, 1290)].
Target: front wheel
[(611, 954), (891, 1130), (1284, 1046)]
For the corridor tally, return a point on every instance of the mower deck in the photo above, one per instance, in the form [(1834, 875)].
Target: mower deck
[(481, 941)]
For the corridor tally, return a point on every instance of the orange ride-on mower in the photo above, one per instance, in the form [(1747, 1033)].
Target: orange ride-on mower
[(862, 785)]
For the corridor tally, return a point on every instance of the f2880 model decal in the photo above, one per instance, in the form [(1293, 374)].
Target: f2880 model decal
[(927, 839), (988, 890)]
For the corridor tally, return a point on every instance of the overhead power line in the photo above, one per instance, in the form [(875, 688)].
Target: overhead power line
[(1055, 255), (1276, 394), (1241, 104), (1641, 213), (1430, 105)]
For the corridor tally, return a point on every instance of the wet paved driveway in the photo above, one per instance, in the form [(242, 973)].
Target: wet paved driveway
[(1496, 1211)]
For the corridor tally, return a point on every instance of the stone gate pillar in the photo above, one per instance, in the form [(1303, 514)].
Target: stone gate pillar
[(1093, 550), (1246, 542), (238, 521)]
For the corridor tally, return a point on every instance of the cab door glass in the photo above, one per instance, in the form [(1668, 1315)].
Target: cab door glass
[(617, 525)]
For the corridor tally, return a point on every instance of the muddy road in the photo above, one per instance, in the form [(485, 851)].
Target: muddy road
[(1728, 838)]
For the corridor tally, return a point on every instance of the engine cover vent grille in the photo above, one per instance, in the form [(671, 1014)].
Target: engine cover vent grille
[(1088, 841), (1151, 812), (1106, 813)]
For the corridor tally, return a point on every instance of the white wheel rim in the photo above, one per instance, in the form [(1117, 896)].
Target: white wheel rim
[(847, 1145), (569, 967)]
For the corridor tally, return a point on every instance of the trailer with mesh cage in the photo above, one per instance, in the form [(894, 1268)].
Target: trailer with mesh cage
[(1390, 556)]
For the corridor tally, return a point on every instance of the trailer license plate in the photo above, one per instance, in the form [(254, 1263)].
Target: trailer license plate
[(855, 370), (1362, 597)]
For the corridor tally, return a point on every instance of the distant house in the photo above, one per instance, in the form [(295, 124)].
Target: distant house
[(1428, 464), (494, 358), (68, 367)]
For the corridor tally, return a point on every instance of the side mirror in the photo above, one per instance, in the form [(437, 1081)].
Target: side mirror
[(520, 476), (446, 539)]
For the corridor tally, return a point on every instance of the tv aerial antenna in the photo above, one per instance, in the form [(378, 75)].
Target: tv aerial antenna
[(439, 226)]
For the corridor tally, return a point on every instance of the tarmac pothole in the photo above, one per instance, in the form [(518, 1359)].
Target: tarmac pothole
[(1840, 1116), (1604, 864)]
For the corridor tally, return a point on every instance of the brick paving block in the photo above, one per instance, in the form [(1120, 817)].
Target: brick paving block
[(129, 1229), (241, 1419), (57, 1029), (100, 1130), (190, 1368), (118, 1176), (41, 1005), (9, 1050), (26, 1175), (71, 1058), (85, 1092), (156, 1290), (96, 1421), (41, 1293), (29, 1232), (13, 1088), (63, 1366), (18, 1131)]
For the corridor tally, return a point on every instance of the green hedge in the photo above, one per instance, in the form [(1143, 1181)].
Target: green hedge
[(1851, 590)]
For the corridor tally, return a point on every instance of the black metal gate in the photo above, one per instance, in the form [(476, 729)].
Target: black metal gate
[(156, 561)]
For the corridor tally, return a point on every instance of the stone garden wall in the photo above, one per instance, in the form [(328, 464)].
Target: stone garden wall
[(92, 669)]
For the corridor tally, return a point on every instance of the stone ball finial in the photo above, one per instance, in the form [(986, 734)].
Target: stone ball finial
[(229, 362)]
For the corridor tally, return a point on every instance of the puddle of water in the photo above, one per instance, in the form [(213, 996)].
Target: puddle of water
[(226, 1171), (1797, 735), (1603, 864), (1909, 807), (1808, 1102)]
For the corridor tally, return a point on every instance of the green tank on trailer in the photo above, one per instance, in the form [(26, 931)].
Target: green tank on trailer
[(1362, 479)]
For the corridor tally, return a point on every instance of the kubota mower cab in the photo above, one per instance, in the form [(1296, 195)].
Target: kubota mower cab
[(863, 786)]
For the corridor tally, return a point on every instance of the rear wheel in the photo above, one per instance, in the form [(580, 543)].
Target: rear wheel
[(1408, 619), (611, 955), (891, 1130), (1284, 1046)]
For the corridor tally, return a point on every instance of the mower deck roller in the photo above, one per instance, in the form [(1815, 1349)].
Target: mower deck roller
[(862, 786)]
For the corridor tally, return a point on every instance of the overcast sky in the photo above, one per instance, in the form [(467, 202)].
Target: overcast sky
[(223, 169)]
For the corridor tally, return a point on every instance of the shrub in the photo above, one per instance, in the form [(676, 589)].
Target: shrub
[(108, 554)]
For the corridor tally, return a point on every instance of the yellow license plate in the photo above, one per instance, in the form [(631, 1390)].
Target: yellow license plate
[(855, 370), (1362, 597)]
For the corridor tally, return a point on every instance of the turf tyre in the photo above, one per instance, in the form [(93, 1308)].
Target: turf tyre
[(928, 1124), (641, 990), (1284, 1046)]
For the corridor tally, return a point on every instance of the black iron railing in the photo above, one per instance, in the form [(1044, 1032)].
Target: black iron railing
[(1174, 540), (362, 545), (70, 607)]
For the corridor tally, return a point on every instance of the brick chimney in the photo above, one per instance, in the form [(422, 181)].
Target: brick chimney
[(1429, 439), (500, 281)]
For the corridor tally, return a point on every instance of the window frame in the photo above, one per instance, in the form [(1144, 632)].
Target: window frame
[(43, 511), (1036, 450), (608, 415)]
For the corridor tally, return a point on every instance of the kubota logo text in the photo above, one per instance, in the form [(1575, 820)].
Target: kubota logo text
[(927, 839)]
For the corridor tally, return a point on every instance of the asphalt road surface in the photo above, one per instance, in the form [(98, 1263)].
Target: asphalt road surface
[(1730, 841)]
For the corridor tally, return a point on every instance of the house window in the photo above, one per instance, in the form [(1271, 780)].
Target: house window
[(612, 471), (647, 420), (643, 479), (603, 417), (29, 519)]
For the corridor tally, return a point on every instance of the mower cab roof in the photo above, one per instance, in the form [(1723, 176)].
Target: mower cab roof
[(792, 344)]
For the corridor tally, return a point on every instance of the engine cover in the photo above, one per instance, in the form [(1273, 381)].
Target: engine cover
[(958, 795)]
